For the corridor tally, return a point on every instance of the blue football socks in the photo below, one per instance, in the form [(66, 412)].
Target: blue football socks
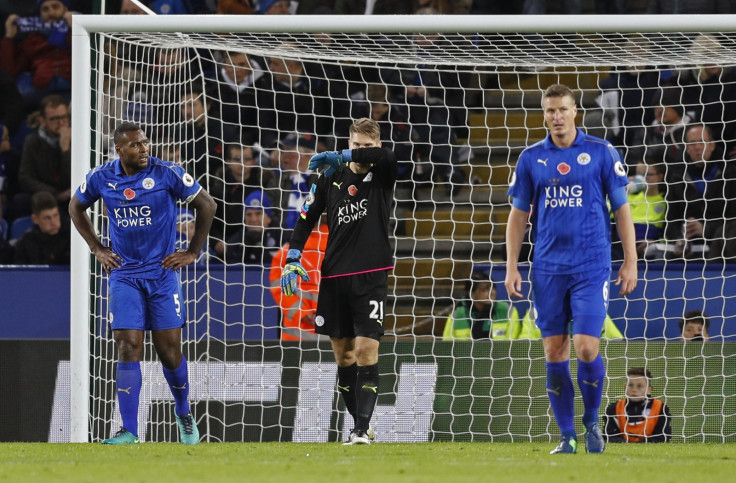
[(129, 390), (590, 381), (561, 393), (178, 380)]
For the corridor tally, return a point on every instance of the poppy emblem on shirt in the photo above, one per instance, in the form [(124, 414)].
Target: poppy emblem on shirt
[(352, 190), (563, 168), (129, 194)]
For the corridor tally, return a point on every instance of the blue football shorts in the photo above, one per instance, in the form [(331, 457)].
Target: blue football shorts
[(580, 297), (143, 304)]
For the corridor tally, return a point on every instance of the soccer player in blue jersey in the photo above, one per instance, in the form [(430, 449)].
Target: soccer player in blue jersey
[(140, 193), (567, 177)]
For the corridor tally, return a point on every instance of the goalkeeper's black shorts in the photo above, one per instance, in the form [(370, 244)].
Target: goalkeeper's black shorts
[(352, 305)]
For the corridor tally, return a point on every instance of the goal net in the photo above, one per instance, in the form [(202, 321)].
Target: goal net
[(242, 102)]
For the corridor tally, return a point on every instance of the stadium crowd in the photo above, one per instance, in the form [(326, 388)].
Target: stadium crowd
[(246, 126)]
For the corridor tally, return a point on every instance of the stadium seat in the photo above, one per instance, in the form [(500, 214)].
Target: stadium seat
[(19, 227)]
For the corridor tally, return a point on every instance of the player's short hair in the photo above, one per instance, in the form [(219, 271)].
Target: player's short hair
[(123, 128), (640, 372), (51, 101), (366, 126), (694, 317), (558, 90), (41, 201)]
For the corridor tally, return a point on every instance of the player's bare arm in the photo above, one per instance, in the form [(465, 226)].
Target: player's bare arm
[(205, 208), (628, 273), (514, 237), (107, 258)]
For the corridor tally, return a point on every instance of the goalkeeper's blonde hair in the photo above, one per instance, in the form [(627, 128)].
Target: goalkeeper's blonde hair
[(366, 126)]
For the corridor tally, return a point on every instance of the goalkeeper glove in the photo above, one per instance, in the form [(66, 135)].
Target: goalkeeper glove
[(291, 270), (331, 159)]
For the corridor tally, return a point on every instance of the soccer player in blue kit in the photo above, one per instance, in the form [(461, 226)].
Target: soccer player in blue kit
[(567, 177), (140, 193)]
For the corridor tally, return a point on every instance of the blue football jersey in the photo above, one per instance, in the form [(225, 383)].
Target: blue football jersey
[(568, 188), (142, 211)]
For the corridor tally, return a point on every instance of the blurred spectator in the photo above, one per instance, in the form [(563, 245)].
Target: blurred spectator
[(185, 226), (234, 7), (12, 109), (479, 315), (377, 7), (627, 99), (37, 50), (709, 90), (233, 90), (294, 178), (258, 239), (202, 135), (700, 203), (437, 111), (646, 195), (688, 7), (539, 7), (46, 158), (48, 242), (4, 148), (129, 8), (298, 312), (231, 184), (665, 137), (288, 100), (694, 326), (638, 418), (273, 7)]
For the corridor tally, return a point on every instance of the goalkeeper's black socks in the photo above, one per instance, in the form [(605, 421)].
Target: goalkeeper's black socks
[(346, 377), (366, 395)]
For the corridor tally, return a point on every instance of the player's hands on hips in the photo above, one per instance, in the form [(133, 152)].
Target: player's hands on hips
[(513, 283), (177, 260), (627, 278), (331, 159), (291, 271), (107, 258)]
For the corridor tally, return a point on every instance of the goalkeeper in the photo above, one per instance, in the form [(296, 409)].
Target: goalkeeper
[(568, 176), (356, 189)]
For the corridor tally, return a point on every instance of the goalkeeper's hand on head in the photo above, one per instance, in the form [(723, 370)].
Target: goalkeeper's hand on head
[(331, 159), (292, 269)]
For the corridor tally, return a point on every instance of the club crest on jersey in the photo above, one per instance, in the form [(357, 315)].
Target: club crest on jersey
[(563, 168), (319, 321), (129, 194), (187, 180), (149, 183), (619, 168), (583, 159), (368, 177), (352, 190)]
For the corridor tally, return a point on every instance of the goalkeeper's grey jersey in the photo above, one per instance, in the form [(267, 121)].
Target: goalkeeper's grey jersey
[(358, 211)]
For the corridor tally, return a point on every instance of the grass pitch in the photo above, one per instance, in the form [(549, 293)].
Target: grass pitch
[(383, 463)]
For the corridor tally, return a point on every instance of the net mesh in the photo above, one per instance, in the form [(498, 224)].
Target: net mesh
[(457, 109)]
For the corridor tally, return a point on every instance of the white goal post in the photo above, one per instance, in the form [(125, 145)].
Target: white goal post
[(434, 389)]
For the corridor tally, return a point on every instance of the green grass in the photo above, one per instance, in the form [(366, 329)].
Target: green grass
[(383, 463)]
